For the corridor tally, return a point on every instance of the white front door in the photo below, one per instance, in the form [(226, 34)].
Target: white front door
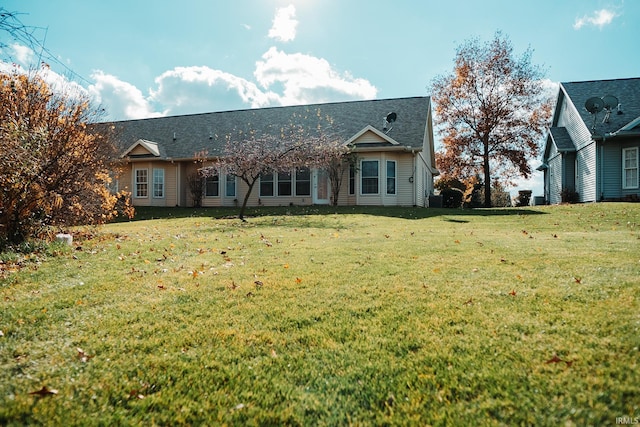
[(320, 187)]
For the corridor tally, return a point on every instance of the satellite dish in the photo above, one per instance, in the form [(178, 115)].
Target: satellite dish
[(594, 105), (610, 102), (391, 117)]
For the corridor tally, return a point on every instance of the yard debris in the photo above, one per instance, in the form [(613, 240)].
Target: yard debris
[(556, 359), (44, 391), (84, 357)]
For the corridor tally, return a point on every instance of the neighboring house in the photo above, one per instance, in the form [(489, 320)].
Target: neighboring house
[(591, 152), (395, 158)]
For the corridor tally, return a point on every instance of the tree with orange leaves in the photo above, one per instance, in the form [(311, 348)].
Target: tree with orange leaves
[(54, 173), (493, 110)]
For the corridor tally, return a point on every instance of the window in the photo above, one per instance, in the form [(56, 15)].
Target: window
[(369, 177), (284, 183), (212, 186), (630, 167), (303, 182), (352, 179), (266, 185), (391, 177), (142, 183), (230, 186), (158, 183)]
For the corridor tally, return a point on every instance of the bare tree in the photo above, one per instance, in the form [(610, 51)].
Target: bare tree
[(493, 110)]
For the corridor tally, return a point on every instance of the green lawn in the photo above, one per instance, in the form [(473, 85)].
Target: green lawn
[(325, 316)]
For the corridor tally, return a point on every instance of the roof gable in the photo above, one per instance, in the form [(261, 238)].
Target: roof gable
[(371, 135), (627, 91), (142, 148)]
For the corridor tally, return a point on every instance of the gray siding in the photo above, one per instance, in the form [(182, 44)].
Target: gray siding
[(586, 173), (612, 170), (555, 179)]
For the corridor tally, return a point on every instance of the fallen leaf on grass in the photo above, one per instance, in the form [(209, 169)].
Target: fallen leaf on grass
[(84, 357), (258, 283), (298, 280), (554, 359), (578, 280), (512, 293), (44, 391), (468, 302)]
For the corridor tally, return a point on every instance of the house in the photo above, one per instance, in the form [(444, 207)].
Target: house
[(392, 139), (591, 152)]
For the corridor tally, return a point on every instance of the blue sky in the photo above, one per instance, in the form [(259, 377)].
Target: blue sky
[(143, 58)]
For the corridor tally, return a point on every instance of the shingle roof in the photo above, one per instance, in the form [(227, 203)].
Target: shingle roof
[(561, 139), (208, 131), (626, 90)]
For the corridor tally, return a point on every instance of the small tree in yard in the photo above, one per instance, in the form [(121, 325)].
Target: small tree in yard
[(53, 171), (493, 111), (250, 156)]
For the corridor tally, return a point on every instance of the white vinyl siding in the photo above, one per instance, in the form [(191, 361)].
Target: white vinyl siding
[(630, 168)]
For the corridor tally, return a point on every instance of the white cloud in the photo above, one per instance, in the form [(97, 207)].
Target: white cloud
[(599, 19), (284, 24), (196, 89), (308, 79), (22, 54), (122, 100)]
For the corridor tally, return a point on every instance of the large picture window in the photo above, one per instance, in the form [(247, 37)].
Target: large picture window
[(369, 177), (142, 183), (630, 168), (391, 177)]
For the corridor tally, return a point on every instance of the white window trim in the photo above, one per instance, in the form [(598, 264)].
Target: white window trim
[(235, 185), (135, 183), (273, 181), (395, 178), (377, 193), (153, 184), (625, 170), (205, 188)]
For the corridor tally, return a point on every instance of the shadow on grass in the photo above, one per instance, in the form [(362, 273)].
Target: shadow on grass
[(451, 215)]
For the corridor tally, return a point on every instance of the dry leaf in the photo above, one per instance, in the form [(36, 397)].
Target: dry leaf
[(512, 293), (84, 357), (258, 283), (554, 359), (286, 266), (577, 280), (298, 280), (44, 391)]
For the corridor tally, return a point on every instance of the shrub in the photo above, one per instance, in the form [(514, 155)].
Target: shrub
[(452, 198)]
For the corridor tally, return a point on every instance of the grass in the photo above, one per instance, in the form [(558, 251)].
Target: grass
[(318, 316)]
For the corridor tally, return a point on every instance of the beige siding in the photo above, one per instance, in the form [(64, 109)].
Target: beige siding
[(139, 151)]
